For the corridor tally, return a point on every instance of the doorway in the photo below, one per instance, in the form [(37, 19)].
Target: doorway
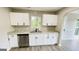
[(71, 27), (70, 32)]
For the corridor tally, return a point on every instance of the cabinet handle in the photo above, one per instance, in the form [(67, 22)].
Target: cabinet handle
[(52, 37), (8, 39), (47, 23), (23, 23), (36, 37), (17, 23), (48, 37)]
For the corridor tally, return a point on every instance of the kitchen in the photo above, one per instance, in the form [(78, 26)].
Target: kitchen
[(32, 28), (35, 29)]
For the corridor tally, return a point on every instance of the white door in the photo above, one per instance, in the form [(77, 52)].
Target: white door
[(68, 28), (13, 41)]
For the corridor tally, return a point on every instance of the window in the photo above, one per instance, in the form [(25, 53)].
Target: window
[(35, 22), (77, 27)]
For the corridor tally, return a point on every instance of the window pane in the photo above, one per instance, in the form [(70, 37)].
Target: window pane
[(77, 31), (77, 27), (35, 22), (77, 24)]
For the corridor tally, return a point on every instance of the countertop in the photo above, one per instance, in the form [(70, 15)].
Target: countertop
[(25, 32)]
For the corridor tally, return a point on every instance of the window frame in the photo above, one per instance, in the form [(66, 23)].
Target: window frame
[(37, 16)]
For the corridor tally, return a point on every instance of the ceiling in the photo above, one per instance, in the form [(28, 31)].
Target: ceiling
[(50, 9)]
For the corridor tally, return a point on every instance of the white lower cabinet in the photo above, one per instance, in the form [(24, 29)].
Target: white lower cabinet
[(36, 39), (13, 41), (32, 40), (52, 38)]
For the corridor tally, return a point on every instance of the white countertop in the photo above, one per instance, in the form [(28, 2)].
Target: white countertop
[(25, 32)]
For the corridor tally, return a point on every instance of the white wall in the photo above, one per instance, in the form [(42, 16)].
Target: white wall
[(4, 27)]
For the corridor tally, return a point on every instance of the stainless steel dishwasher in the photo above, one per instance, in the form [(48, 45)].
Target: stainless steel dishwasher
[(23, 40)]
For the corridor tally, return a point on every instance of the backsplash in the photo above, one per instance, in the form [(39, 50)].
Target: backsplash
[(28, 29), (21, 29)]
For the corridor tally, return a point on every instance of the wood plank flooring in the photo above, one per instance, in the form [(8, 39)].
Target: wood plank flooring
[(70, 45), (66, 45), (39, 48)]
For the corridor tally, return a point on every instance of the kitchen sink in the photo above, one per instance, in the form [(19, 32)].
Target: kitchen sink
[(36, 31)]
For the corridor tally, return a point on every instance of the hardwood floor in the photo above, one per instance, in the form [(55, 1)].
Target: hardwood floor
[(70, 45), (66, 45), (39, 48)]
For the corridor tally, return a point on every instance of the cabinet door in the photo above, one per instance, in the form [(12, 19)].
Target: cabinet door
[(49, 20), (19, 19), (46, 39), (26, 19), (13, 41), (53, 37), (53, 20), (45, 20), (23, 18), (32, 40), (40, 40), (13, 18), (36, 39), (55, 40)]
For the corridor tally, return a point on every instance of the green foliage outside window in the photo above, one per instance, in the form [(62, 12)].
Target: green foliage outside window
[(35, 22)]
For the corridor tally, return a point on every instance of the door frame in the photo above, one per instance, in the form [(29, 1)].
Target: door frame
[(61, 30), (63, 27)]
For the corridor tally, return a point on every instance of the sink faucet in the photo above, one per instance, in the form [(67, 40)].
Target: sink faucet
[(36, 30)]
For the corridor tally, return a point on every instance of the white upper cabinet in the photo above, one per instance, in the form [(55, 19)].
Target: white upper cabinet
[(49, 20), (19, 19)]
